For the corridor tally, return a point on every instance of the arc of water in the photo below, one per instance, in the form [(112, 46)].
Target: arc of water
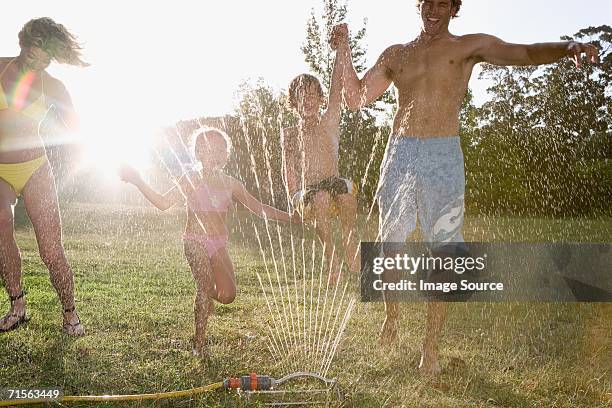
[(278, 230), (345, 320), (316, 328), (316, 324), (333, 329), (327, 334), (285, 333), (325, 297)]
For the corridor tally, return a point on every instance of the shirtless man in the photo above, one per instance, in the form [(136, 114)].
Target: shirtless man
[(310, 153), (422, 172)]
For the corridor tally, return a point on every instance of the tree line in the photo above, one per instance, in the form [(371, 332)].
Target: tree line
[(541, 145)]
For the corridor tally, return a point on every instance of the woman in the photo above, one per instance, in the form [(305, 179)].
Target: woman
[(27, 93)]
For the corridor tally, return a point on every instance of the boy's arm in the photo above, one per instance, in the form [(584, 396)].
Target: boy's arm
[(334, 102), (359, 93), (240, 193)]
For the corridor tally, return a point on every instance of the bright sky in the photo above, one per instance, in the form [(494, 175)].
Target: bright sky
[(157, 62)]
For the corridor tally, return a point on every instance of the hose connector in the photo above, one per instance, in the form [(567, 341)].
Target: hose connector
[(252, 382)]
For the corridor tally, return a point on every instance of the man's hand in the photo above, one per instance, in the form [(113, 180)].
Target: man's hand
[(576, 49), (339, 36)]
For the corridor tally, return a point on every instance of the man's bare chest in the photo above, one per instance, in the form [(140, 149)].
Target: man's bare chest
[(429, 64)]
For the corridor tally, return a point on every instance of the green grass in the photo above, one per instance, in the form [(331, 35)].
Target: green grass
[(135, 291)]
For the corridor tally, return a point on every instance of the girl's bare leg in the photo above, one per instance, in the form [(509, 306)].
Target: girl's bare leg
[(224, 278), (201, 270)]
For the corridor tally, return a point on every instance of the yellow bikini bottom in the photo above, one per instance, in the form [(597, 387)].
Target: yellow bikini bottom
[(18, 174)]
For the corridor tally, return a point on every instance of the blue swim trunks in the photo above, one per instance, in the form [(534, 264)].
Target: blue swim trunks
[(424, 178)]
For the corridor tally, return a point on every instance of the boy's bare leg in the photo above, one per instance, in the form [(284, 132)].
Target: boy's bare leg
[(430, 365), (321, 204), (347, 208), (388, 332)]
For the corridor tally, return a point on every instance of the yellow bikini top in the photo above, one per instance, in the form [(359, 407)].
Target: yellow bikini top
[(36, 110)]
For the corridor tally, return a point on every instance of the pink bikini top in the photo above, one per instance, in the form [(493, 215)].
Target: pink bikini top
[(208, 199)]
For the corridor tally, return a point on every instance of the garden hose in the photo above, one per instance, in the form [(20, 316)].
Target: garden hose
[(113, 398), (251, 382)]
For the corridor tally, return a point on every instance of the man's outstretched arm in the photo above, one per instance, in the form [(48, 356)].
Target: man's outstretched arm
[(495, 51), (359, 93)]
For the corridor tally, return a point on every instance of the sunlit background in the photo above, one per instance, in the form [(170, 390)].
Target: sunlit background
[(154, 63)]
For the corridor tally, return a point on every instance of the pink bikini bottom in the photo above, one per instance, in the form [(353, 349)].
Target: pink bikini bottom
[(212, 243)]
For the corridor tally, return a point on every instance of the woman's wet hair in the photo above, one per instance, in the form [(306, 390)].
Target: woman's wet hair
[(301, 82), (456, 4), (54, 39)]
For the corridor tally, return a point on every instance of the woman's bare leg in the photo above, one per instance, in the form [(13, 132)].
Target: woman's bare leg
[(40, 199), (10, 259)]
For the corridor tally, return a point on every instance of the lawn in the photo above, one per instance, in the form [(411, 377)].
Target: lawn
[(135, 292)]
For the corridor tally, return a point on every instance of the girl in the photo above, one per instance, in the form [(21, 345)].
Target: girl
[(208, 194)]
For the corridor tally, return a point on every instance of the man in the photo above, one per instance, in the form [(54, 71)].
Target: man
[(422, 172)]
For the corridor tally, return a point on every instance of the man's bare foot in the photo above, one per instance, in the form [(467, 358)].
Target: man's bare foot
[(200, 353), (388, 333), (429, 365), (199, 349), (72, 324), (430, 371)]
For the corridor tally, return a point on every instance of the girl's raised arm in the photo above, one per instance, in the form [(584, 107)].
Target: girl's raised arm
[(161, 201)]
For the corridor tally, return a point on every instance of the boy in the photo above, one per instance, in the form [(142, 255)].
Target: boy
[(310, 154)]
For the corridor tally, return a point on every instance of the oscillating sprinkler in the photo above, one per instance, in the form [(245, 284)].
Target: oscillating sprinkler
[(264, 385), (255, 382)]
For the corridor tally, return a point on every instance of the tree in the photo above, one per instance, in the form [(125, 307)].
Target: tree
[(542, 144), (261, 114)]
